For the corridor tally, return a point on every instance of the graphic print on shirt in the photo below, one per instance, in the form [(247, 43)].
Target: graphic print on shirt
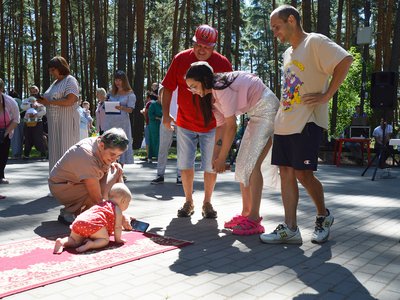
[(291, 87)]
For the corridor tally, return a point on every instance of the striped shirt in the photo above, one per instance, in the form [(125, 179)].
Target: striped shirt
[(63, 121)]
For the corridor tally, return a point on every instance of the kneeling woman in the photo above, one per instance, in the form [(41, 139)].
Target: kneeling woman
[(229, 95)]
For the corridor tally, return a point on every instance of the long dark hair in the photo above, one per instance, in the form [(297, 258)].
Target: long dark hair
[(204, 73)]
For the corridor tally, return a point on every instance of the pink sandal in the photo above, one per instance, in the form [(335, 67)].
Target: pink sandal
[(234, 221), (248, 227)]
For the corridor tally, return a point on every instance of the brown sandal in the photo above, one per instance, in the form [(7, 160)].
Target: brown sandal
[(186, 210), (208, 211)]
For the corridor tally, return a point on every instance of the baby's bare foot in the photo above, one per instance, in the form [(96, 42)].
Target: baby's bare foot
[(58, 247)]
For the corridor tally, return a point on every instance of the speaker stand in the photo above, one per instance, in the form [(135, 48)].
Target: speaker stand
[(382, 151)]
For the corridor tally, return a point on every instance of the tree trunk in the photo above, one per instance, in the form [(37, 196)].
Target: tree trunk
[(84, 59), (52, 35), (182, 11), (206, 11), (33, 48), (277, 88), (175, 39), (92, 82), (379, 36), (37, 43), (130, 39), (395, 57), (349, 30), (339, 23), (219, 13), (323, 17), (306, 7), (367, 16), (46, 44), (228, 31), (394, 60), (149, 58), (188, 36), (74, 57), (2, 41), (237, 34), (101, 50), (333, 122), (122, 24), (387, 47), (64, 28), (136, 118)]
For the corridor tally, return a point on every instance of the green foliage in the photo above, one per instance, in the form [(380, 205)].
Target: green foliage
[(349, 94)]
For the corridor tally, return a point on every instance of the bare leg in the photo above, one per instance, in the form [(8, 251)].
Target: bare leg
[(290, 195), (97, 240), (314, 189), (256, 184), (71, 241), (246, 199), (187, 183), (209, 184)]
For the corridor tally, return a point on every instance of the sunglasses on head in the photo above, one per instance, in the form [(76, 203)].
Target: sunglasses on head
[(119, 73)]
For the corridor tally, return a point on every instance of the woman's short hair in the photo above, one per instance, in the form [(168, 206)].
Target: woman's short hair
[(59, 63), (115, 138), (101, 91), (35, 88)]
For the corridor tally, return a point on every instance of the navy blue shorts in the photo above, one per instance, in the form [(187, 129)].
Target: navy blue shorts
[(299, 150)]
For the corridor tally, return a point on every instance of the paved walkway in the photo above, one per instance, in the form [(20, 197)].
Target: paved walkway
[(361, 260)]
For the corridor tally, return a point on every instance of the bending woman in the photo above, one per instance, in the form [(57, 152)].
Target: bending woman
[(229, 95), (86, 172)]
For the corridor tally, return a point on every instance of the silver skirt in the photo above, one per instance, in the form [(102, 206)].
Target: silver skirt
[(258, 131)]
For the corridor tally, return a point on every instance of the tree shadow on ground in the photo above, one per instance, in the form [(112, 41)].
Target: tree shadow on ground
[(232, 254), (35, 207)]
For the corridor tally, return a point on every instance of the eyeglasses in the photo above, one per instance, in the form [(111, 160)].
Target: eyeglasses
[(120, 141), (112, 140), (119, 73)]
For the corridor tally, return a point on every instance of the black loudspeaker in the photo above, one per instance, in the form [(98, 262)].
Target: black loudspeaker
[(384, 89)]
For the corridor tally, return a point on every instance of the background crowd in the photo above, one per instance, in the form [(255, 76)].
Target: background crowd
[(209, 97)]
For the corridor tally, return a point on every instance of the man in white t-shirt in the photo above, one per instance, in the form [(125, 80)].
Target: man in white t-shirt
[(381, 141), (308, 64)]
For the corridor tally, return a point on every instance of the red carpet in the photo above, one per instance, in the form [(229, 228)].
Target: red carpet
[(29, 264)]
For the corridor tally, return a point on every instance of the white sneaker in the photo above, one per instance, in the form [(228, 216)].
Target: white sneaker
[(322, 228), (282, 235)]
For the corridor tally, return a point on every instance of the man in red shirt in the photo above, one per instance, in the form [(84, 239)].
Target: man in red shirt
[(191, 125)]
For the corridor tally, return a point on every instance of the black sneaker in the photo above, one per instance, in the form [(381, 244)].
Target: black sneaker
[(178, 180), (158, 180)]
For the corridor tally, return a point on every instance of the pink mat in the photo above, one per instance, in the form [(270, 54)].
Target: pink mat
[(29, 264)]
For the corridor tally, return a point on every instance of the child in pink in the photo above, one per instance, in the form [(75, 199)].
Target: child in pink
[(92, 228)]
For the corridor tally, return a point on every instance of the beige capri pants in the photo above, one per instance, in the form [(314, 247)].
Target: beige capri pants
[(75, 195)]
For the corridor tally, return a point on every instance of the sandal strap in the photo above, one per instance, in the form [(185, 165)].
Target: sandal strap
[(246, 223)]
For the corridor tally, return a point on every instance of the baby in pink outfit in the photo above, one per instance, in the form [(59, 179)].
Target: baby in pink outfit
[(92, 228)]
